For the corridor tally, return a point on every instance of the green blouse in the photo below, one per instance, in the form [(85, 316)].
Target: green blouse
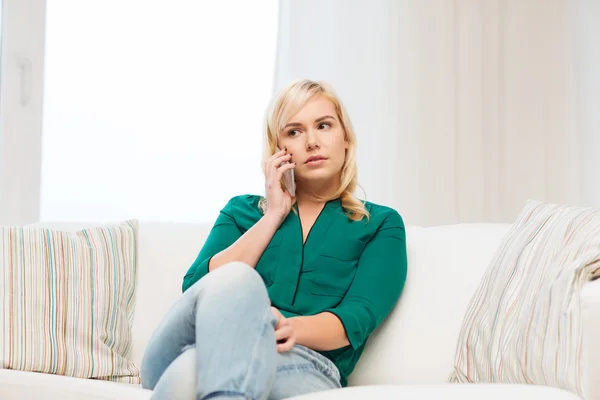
[(353, 269)]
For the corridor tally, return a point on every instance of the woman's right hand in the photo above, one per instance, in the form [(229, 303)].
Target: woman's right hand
[(279, 202)]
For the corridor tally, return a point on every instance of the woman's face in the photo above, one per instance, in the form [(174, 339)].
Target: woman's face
[(316, 140)]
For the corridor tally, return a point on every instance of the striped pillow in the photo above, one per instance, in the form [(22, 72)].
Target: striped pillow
[(523, 324), (66, 301)]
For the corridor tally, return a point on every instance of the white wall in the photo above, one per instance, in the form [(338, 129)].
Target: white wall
[(22, 66), (464, 109)]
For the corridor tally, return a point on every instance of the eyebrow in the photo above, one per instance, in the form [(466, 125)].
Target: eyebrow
[(323, 118)]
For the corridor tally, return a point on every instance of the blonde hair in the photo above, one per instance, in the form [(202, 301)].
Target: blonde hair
[(287, 104)]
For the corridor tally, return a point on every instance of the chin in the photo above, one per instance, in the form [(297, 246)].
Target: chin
[(317, 176)]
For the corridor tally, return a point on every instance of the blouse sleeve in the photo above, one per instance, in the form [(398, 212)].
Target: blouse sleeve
[(379, 280), (222, 235)]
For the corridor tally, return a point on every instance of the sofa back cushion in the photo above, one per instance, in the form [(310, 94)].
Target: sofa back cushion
[(167, 250), (417, 342)]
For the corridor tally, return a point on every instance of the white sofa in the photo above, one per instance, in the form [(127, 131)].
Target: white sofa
[(409, 357)]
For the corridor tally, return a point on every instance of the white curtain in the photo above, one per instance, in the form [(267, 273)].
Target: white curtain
[(588, 85), (464, 109)]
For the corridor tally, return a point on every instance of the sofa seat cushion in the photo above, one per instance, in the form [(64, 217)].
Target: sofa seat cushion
[(443, 391), (17, 385)]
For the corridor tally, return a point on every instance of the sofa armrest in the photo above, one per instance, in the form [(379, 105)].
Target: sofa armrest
[(590, 315)]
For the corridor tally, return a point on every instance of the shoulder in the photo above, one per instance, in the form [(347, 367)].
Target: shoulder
[(243, 209), (244, 201), (384, 216)]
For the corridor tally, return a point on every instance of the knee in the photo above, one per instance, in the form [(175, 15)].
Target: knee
[(238, 273), (235, 277), (178, 382)]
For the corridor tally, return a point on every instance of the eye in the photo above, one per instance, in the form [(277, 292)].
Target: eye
[(324, 125), (292, 132)]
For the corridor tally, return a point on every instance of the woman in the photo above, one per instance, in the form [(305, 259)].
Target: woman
[(285, 291)]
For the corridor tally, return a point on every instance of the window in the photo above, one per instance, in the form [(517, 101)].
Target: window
[(154, 110)]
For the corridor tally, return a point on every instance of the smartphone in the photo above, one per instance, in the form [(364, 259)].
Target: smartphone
[(289, 180)]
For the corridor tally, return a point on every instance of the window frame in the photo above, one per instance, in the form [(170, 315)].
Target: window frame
[(21, 99)]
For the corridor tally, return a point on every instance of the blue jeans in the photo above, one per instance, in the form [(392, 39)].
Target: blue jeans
[(218, 342)]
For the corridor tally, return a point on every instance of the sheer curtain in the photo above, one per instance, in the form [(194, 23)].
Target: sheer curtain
[(587, 18), (154, 109), (463, 109)]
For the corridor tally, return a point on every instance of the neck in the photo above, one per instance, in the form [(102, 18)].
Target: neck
[(307, 193)]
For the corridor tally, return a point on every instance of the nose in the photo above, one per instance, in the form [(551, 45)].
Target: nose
[(311, 140)]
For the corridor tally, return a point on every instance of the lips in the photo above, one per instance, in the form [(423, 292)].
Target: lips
[(314, 158)]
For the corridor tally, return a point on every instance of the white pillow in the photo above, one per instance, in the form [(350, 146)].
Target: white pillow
[(523, 324), (66, 300)]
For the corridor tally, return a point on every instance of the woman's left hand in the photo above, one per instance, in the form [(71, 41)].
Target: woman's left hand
[(284, 332)]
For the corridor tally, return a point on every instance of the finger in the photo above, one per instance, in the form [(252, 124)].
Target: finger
[(278, 315), (272, 180), (287, 346), (272, 166), (282, 169), (277, 155), (275, 163), (283, 333)]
